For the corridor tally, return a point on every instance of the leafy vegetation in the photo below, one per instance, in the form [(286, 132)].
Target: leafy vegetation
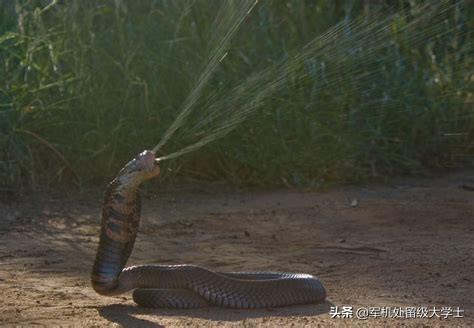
[(85, 85)]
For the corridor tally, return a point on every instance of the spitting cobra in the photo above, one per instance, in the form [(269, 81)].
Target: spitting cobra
[(179, 286)]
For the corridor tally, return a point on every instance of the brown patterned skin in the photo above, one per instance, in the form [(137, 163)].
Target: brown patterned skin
[(179, 286), (120, 220)]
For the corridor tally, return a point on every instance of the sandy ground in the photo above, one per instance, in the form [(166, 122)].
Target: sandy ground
[(407, 244)]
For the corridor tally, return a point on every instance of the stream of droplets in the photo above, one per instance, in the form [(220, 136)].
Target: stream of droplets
[(355, 49)]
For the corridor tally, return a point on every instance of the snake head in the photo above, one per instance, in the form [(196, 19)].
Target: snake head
[(143, 167)]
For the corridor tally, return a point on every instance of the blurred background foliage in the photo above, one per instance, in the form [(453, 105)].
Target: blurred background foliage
[(85, 85)]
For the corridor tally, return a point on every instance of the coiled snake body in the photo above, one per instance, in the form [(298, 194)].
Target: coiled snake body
[(179, 286)]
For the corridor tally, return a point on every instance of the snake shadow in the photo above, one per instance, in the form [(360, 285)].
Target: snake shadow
[(125, 315)]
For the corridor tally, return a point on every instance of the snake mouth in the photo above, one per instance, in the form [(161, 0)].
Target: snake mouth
[(155, 167), (146, 160), (146, 165)]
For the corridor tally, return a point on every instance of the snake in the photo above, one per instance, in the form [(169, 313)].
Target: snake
[(181, 286)]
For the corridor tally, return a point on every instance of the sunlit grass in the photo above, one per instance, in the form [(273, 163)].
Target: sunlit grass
[(86, 85)]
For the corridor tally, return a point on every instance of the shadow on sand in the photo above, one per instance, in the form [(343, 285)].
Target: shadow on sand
[(126, 315)]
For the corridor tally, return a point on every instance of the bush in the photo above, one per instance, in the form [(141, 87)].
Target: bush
[(88, 84)]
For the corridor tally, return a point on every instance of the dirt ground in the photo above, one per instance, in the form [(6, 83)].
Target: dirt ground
[(409, 243)]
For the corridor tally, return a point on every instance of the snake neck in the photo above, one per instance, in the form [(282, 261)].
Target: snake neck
[(120, 220), (119, 226)]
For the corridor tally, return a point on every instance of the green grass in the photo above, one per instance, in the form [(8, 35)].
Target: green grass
[(85, 85)]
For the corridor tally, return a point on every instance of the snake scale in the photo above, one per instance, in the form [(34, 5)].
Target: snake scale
[(179, 286)]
